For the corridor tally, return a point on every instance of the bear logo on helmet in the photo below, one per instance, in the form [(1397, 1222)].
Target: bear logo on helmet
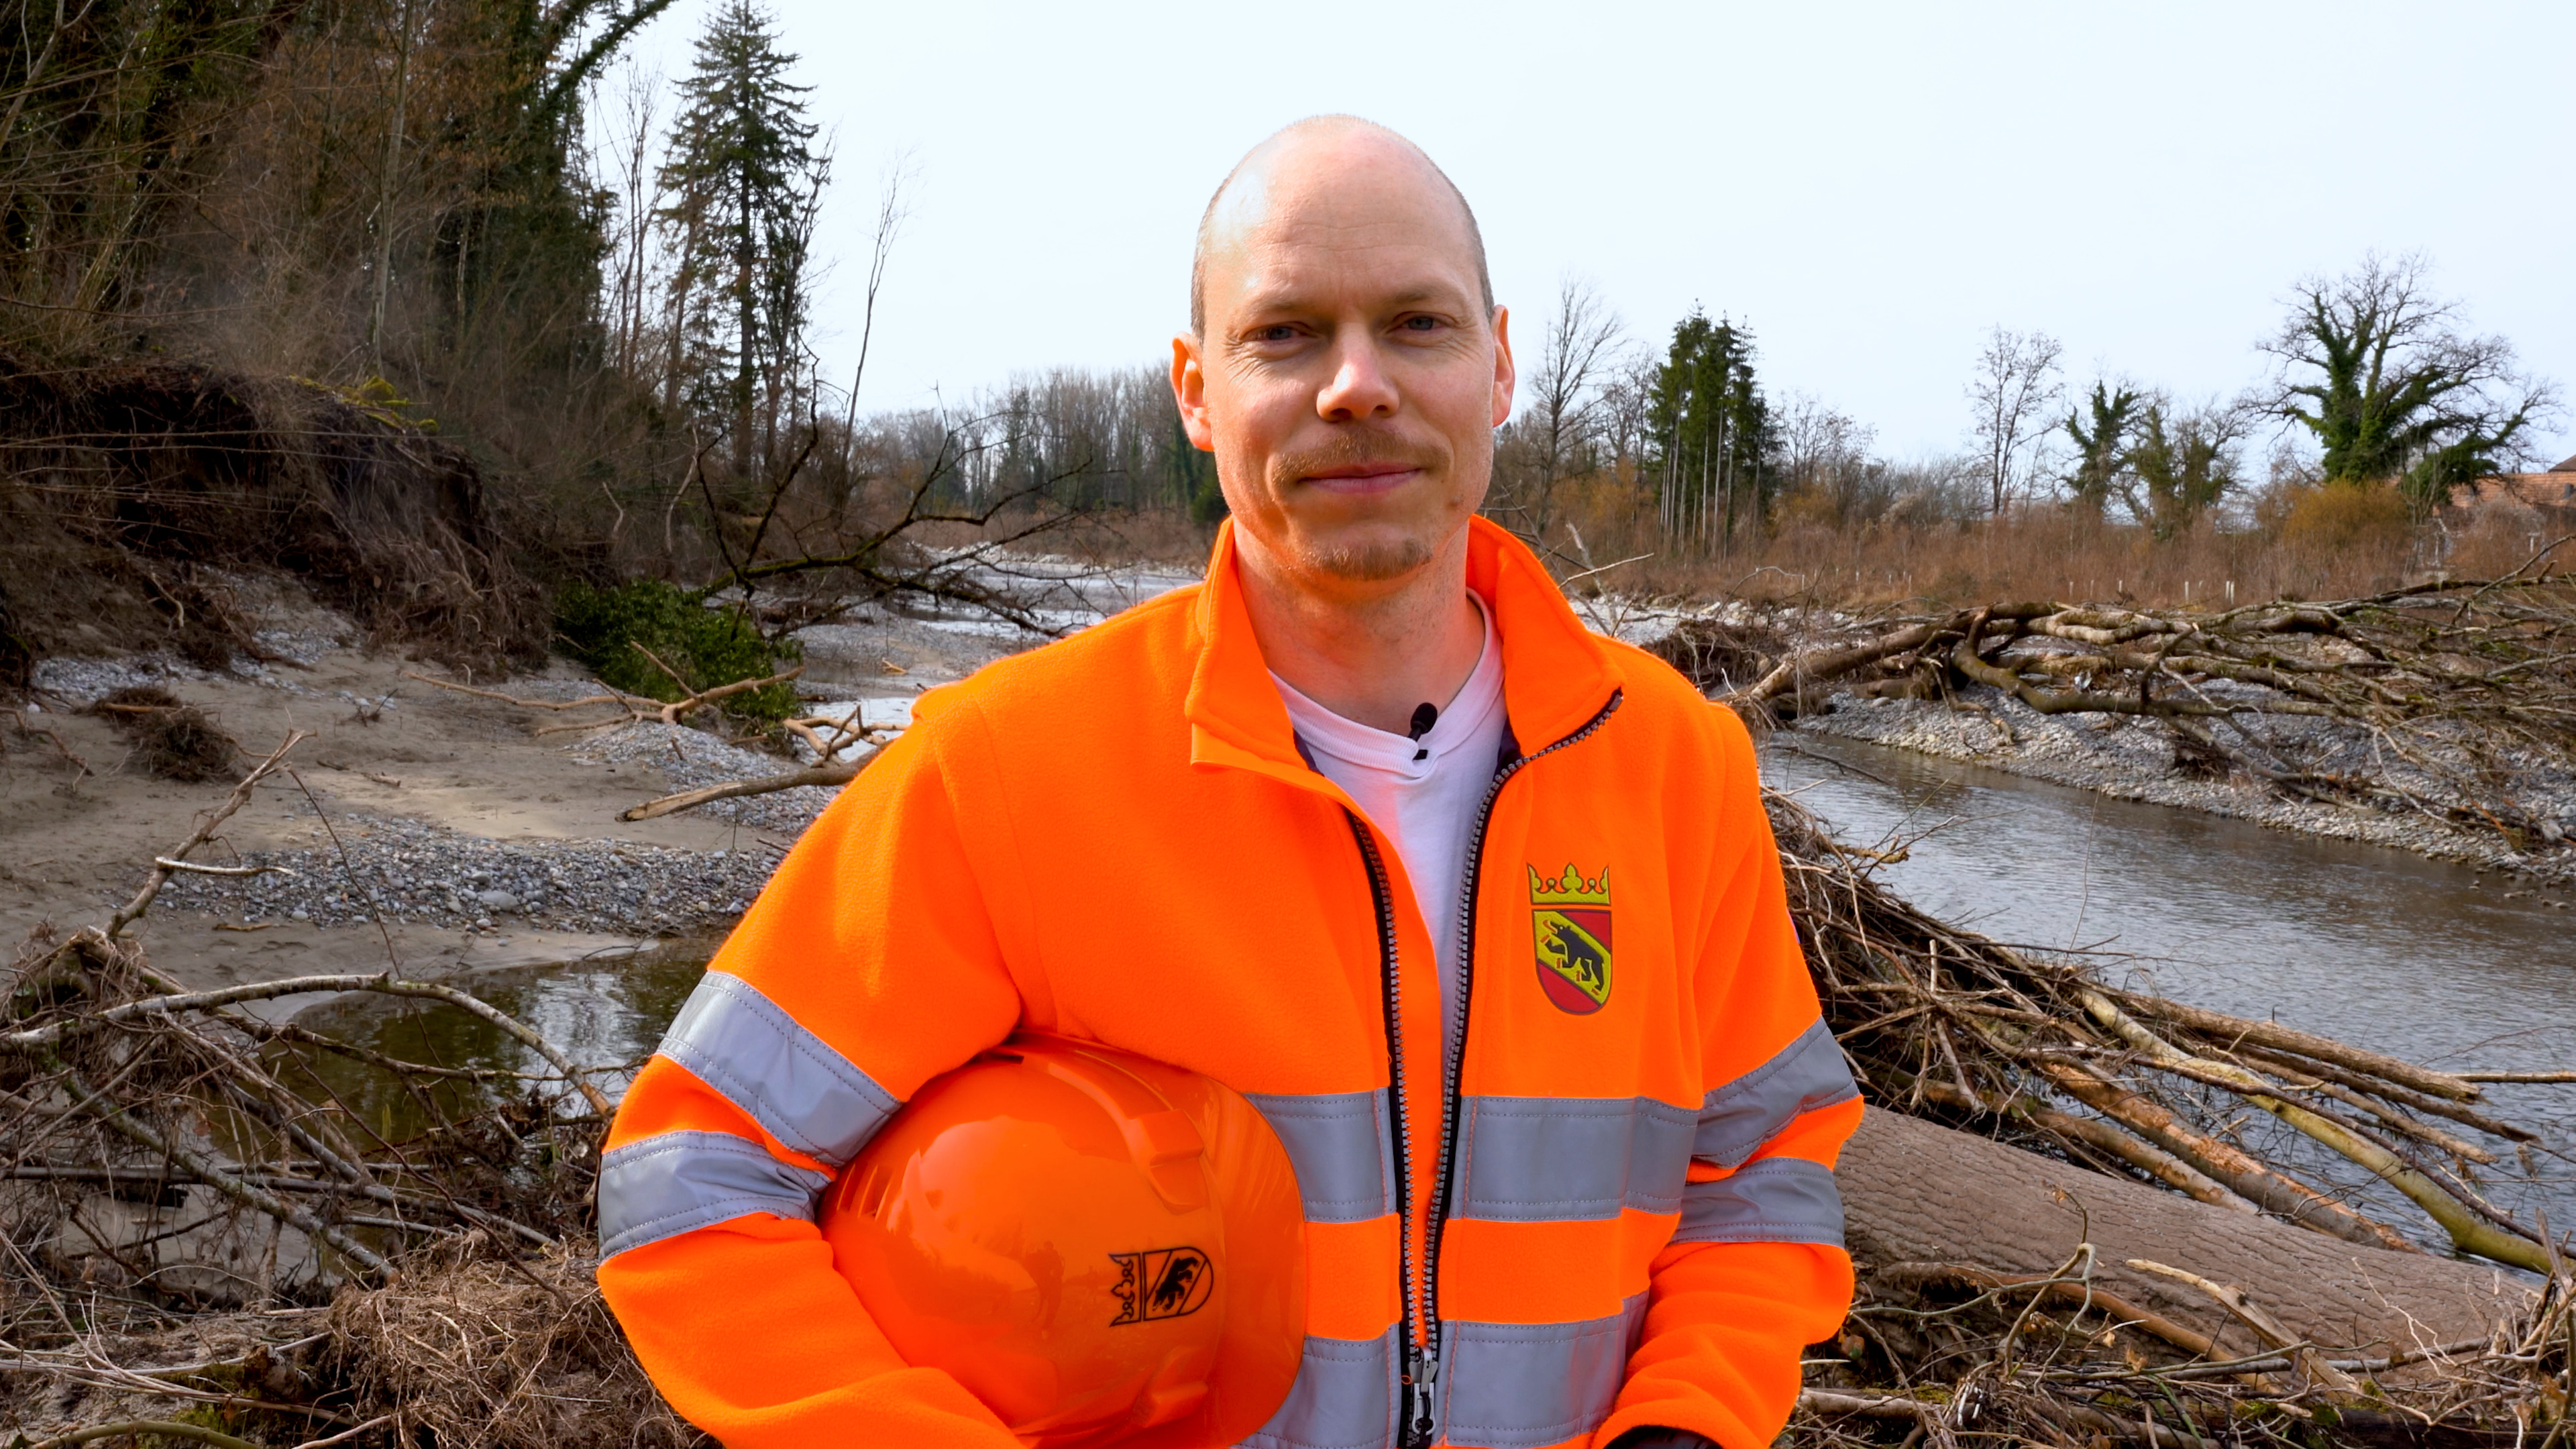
[(1163, 1283)]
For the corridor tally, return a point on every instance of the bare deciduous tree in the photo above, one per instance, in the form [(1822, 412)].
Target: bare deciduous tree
[(1825, 464), (892, 212), (2016, 390), (1555, 437)]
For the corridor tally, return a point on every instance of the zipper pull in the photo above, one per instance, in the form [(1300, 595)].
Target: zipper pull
[(1421, 1418)]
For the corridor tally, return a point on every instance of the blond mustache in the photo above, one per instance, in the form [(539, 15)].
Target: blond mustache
[(1292, 467)]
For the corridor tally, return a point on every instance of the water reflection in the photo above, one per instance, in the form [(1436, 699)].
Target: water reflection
[(601, 1013)]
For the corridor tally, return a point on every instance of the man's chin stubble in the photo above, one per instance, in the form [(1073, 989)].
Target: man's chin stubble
[(1373, 563)]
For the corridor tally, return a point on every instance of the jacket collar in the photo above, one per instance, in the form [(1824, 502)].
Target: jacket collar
[(1556, 675)]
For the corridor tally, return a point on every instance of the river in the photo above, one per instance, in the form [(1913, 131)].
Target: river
[(2417, 958)]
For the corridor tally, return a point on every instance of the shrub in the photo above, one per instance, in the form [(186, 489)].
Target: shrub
[(705, 647), (2340, 516)]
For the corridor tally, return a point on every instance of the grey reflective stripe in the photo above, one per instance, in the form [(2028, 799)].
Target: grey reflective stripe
[(1546, 1159), (1521, 1385), (1739, 1117), (1338, 1141), (782, 1076), (672, 1182), (1344, 1398), (1774, 1200)]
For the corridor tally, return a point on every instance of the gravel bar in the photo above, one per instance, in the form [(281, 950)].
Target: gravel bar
[(404, 871), (2131, 759)]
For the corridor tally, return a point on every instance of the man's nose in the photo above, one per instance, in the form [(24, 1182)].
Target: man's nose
[(1360, 387)]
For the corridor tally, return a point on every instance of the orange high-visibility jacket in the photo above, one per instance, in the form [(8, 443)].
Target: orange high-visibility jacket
[(1622, 1212)]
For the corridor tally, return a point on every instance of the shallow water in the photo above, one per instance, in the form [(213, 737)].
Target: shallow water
[(2420, 959), (2416, 958), (604, 1013)]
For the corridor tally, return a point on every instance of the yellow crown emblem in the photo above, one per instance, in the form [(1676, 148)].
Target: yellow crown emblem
[(1570, 889)]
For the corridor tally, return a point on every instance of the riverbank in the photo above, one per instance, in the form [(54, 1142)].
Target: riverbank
[(2133, 759), (425, 823), (440, 823)]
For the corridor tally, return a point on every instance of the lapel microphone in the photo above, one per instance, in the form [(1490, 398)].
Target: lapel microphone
[(1425, 715)]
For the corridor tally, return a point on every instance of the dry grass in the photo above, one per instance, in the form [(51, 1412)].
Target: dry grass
[(470, 1352), (2303, 544)]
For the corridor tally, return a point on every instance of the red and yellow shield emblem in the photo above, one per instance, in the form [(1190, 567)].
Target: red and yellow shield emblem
[(1570, 922)]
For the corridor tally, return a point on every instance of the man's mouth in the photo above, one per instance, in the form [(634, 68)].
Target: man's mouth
[(1362, 479)]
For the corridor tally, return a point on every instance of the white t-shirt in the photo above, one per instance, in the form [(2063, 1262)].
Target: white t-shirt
[(1421, 795)]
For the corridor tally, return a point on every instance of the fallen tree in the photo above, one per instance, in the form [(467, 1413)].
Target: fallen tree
[(2445, 698)]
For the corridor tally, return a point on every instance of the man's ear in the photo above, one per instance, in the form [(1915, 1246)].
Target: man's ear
[(1189, 393), (1505, 376)]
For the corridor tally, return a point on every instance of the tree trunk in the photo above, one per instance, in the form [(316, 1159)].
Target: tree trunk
[(1914, 1192)]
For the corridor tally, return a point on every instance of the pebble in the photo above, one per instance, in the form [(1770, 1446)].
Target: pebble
[(690, 758), (410, 872)]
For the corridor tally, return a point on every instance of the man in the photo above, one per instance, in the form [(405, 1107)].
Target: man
[(1481, 910)]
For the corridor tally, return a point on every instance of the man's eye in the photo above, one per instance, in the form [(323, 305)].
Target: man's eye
[(1421, 324), (1276, 332)]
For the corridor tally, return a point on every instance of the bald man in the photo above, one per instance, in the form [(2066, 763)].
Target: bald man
[(1480, 910)]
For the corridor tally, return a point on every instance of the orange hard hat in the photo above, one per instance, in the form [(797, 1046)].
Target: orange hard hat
[(1102, 1248)]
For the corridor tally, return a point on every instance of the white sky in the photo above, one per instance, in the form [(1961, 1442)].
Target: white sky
[(1871, 186)]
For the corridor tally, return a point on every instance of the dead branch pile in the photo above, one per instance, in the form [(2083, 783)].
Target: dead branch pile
[(204, 1229), (2446, 699), (1949, 1025), (171, 1157), (171, 739), (1942, 1353), (474, 1349)]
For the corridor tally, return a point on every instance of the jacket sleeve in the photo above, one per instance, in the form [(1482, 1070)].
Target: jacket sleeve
[(868, 965), (1756, 1269)]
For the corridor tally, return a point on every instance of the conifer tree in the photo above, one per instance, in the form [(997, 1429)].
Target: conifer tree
[(1714, 431), (747, 182)]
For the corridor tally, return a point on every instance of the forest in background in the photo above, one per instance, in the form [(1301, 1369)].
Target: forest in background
[(488, 327)]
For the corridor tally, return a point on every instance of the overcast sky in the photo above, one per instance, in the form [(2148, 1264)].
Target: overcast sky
[(1871, 187)]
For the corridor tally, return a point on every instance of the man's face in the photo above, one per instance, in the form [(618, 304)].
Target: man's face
[(1347, 378)]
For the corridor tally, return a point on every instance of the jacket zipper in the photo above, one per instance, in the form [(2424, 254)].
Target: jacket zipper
[(1418, 1419), (1411, 1377)]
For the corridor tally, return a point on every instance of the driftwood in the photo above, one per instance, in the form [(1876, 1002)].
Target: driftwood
[(2066, 1329), (110, 1069), (826, 736), (2074, 1327), (1947, 1023), (2443, 689), (830, 775), (639, 709)]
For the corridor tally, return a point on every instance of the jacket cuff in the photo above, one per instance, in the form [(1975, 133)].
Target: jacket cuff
[(1648, 1436)]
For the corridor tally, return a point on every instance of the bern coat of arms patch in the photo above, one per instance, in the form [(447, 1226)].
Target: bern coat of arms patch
[(1570, 920)]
